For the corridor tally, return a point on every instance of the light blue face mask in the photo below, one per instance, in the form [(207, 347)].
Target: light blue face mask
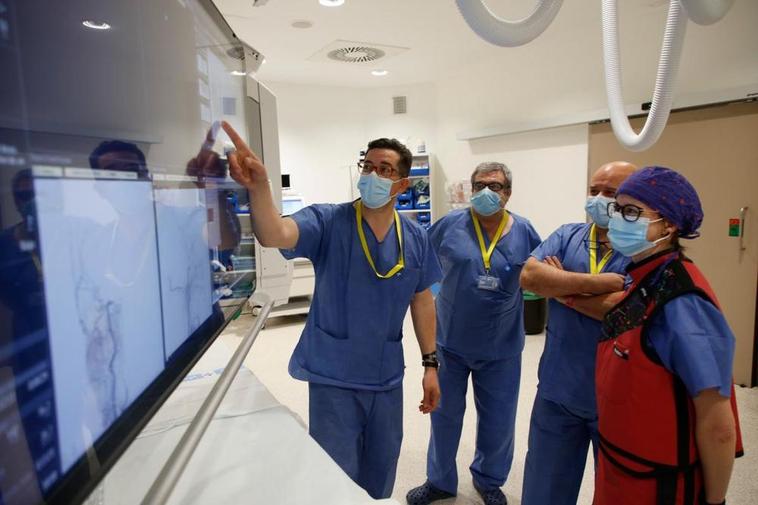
[(486, 202), (630, 239), (375, 191), (597, 208)]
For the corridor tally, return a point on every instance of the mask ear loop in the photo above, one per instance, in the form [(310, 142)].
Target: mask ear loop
[(670, 226), (393, 183), (664, 235), (506, 197)]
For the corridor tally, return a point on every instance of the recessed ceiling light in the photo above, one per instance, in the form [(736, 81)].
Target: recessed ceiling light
[(94, 25), (238, 72), (331, 3), (302, 24), (379, 72)]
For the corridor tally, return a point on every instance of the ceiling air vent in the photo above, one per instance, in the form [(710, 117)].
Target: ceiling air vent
[(358, 54), (347, 51), (399, 105)]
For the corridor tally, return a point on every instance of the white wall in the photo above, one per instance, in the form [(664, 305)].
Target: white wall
[(323, 128), (549, 170), (416, 126), (320, 135)]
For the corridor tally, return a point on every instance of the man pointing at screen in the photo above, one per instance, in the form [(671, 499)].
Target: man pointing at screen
[(371, 265)]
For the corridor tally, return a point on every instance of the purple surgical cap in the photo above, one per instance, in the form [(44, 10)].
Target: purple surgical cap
[(669, 193)]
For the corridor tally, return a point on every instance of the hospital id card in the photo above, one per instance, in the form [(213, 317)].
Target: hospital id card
[(488, 283)]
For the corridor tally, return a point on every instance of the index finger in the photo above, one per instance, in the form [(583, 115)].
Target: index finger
[(238, 142)]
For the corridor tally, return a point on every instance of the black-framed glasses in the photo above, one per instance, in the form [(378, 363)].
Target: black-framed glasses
[(629, 212), (494, 186), (382, 170)]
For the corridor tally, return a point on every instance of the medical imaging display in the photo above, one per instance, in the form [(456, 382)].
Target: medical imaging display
[(120, 228), (101, 263), (185, 280)]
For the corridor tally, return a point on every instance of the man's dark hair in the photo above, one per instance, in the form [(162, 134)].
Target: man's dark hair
[(22, 195), (406, 158), (22, 175), (110, 146)]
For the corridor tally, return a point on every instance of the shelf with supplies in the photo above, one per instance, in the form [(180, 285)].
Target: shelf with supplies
[(234, 253), (417, 200)]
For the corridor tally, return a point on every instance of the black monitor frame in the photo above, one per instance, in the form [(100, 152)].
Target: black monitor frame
[(78, 482)]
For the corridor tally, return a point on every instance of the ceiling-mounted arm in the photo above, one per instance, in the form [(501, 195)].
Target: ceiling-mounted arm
[(706, 12), (504, 33), (663, 95)]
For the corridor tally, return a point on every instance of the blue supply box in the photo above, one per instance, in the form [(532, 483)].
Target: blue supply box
[(424, 219), (405, 200), (419, 170)]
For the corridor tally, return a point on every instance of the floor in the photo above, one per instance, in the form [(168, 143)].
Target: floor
[(270, 354)]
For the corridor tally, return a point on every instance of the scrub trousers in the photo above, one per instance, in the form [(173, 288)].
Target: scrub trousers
[(559, 438), (496, 387), (361, 430)]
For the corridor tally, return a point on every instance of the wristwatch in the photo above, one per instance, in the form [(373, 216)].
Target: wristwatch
[(430, 360)]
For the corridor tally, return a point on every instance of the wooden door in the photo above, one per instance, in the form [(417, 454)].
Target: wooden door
[(717, 150)]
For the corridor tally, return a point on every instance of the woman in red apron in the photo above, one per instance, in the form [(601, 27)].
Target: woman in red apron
[(669, 430)]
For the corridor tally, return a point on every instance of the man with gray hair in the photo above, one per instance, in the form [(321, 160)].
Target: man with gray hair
[(480, 332)]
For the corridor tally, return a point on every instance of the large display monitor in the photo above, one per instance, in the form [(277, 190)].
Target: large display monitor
[(118, 224)]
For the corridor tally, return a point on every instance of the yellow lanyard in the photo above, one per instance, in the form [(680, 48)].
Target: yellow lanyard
[(596, 268), (400, 262), (487, 251), (37, 265)]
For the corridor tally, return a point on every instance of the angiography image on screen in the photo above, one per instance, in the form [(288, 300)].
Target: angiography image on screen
[(186, 287), (103, 300)]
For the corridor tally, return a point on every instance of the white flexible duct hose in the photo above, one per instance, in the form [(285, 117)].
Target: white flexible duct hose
[(706, 12), (668, 65), (504, 33)]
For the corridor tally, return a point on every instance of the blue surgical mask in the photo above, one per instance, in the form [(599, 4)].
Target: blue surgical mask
[(486, 202), (630, 239), (375, 191), (597, 208)]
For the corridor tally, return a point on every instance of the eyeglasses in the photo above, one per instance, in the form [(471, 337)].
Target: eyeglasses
[(384, 170), (494, 186), (629, 212)]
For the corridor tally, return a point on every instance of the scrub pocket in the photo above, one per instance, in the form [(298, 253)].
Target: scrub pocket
[(346, 359)]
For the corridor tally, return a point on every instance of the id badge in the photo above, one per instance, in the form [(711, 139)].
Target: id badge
[(487, 282)]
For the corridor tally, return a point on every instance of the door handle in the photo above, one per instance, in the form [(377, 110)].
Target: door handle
[(743, 213)]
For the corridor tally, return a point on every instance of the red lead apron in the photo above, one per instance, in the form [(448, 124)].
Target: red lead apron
[(648, 453)]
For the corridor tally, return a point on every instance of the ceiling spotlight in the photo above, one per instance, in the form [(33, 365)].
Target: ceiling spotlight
[(238, 72), (331, 3), (379, 73), (94, 25)]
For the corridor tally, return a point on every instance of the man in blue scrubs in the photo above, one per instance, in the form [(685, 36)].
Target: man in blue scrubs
[(371, 264), (480, 332), (576, 267)]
